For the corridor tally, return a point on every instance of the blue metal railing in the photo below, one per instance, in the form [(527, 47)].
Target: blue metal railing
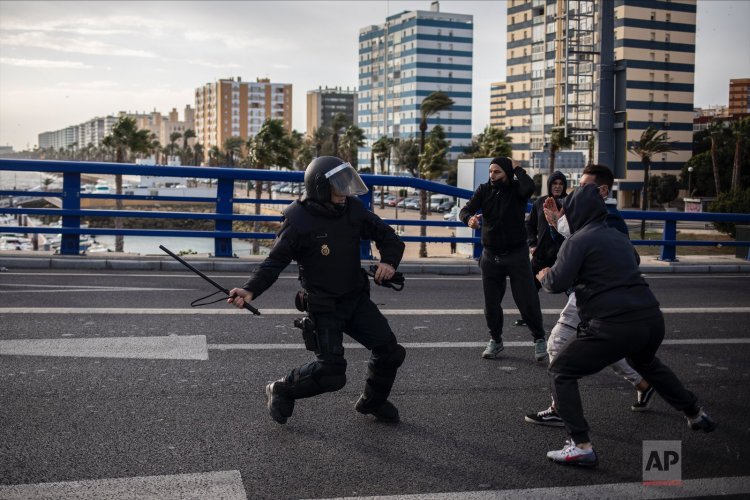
[(224, 201)]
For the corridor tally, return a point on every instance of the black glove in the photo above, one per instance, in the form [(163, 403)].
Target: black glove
[(396, 281)]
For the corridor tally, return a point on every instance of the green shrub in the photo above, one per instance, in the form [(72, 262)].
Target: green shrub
[(734, 202)]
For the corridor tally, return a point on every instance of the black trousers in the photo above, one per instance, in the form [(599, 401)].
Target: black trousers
[(495, 270), (358, 317), (601, 343)]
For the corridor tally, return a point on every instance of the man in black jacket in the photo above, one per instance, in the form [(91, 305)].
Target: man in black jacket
[(503, 202), (322, 232), (620, 317)]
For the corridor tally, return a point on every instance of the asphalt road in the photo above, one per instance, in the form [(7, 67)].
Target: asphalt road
[(93, 418)]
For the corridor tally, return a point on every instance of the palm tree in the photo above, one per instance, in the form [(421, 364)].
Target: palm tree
[(382, 151), (433, 103), (339, 121), (270, 146), (125, 138), (233, 149), (198, 154), (352, 139), (491, 142), (186, 155), (715, 133), (740, 129), (652, 142), (320, 138), (558, 139)]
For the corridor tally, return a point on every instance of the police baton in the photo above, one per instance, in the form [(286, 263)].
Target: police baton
[(215, 284)]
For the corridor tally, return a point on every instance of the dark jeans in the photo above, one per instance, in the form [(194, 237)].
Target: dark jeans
[(601, 343), (495, 269)]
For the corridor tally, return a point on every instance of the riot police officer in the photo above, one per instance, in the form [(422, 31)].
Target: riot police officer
[(322, 232)]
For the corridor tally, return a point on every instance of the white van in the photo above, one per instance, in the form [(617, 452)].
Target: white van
[(437, 199)]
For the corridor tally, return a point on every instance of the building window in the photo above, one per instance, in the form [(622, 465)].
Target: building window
[(666, 77), (653, 16), (653, 56), (650, 117), (669, 17), (650, 97), (651, 76), (666, 58), (653, 36), (667, 37)]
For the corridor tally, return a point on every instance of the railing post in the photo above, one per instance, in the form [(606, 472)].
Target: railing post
[(365, 247), (70, 244), (478, 246), (669, 252), (224, 206)]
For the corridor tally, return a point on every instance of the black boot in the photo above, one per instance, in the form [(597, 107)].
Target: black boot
[(384, 411), (279, 406)]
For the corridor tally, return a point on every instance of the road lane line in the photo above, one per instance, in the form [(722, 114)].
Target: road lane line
[(184, 347), (286, 312), (198, 486), (451, 345), (696, 488)]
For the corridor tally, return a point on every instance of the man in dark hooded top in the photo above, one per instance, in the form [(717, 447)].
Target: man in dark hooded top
[(543, 239), (620, 317), (502, 202)]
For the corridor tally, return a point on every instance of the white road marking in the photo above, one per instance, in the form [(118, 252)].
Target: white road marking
[(697, 488), (188, 347), (286, 312), (198, 486), (450, 345)]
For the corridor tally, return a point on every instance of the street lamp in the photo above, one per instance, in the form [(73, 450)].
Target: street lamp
[(690, 179)]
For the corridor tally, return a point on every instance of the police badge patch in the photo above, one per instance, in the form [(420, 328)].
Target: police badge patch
[(325, 250)]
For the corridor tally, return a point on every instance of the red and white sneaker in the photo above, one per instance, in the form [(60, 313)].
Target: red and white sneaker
[(573, 455)]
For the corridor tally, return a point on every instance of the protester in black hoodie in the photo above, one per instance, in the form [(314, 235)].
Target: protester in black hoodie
[(620, 317), (543, 239), (503, 202)]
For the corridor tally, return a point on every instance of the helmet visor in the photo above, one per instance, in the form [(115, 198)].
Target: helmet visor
[(345, 181)]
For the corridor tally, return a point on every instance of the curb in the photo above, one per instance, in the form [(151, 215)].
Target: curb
[(444, 267)]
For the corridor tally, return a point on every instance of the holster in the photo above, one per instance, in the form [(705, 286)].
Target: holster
[(309, 335)]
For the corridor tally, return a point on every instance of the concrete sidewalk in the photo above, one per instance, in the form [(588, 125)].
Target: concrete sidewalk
[(459, 265)]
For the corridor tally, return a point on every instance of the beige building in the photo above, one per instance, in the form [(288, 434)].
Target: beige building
[(325, 103), (497, 105), (654, 56), (739, 90), (233, 108)]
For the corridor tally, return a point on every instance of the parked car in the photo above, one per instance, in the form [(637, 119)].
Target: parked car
[(402, 203), (396, 200), (446, 206), (414, 204)]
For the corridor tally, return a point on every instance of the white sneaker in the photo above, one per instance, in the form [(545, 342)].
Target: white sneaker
[(573, 455), (493, 349)]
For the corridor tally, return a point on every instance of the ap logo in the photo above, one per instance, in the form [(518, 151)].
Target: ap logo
[(662, 463)]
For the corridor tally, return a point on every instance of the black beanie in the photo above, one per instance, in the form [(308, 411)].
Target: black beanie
[(506, 164)]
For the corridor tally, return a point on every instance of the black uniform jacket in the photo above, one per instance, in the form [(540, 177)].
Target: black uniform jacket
[(326, 245)]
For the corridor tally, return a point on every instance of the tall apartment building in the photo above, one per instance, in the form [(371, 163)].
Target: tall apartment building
[(654, 58), (402, 61), (325, 103), (95, 130), (498, 91), (739, 90), (233, 108), (77, 136)]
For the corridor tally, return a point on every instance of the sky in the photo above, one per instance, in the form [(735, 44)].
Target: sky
[(63, 63)]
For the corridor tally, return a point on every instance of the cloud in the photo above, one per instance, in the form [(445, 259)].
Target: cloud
[(208, 64), (235, 40), (44, 63), (41, 40), (281, 66)]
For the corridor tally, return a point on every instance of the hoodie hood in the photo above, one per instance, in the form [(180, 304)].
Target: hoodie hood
[(552, 178), (584, 206)]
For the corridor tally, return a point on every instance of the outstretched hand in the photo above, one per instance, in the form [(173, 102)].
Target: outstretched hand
[(551, 212)]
